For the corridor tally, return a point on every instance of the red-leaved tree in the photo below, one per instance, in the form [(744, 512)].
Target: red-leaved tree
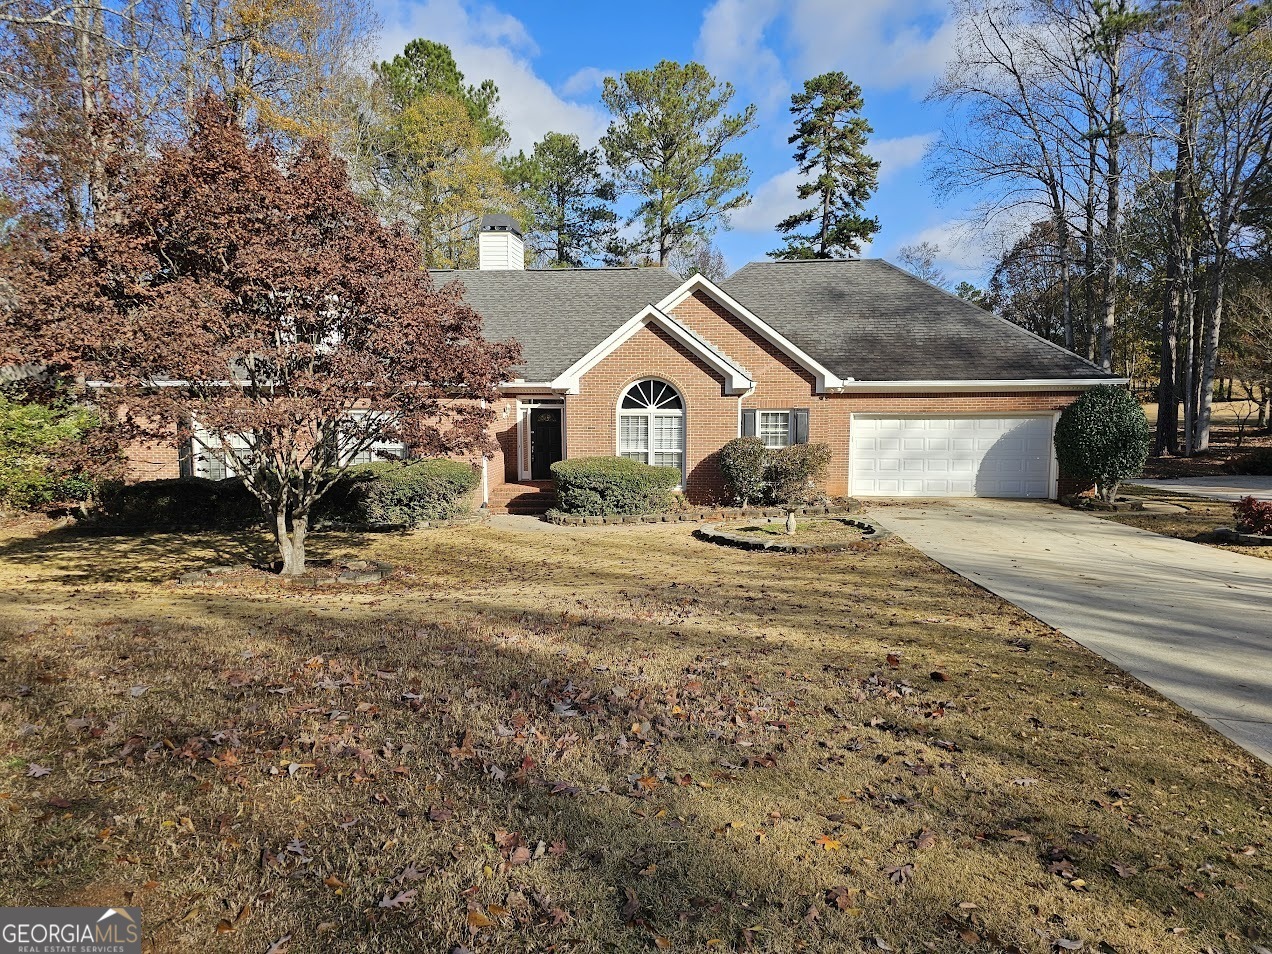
[(255, 297)]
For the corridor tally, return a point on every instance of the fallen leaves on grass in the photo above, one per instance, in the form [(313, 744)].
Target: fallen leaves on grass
[(393, 901), (899, 874), (1123, 870)]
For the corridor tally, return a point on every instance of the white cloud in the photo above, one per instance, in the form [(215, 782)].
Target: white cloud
[(584, 82), (771, 202), (885, 44), (962, 250), (491, 45), (899, 154), (731, 45), (775, 199)]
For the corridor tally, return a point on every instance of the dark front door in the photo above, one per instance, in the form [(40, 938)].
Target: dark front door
[(545, 441)]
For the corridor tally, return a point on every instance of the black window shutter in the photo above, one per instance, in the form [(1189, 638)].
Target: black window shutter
[(748, 423), (799, 425)]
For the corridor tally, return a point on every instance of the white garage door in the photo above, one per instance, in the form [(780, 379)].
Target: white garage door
[(950, 456)]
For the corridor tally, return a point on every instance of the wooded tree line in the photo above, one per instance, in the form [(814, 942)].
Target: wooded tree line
[(1124, 149), (93, 86)]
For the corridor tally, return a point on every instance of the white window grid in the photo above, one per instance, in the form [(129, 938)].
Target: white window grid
[(377, 451), (774, 428), (652, 433)]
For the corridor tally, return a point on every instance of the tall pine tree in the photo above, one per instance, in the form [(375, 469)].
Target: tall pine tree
[(566, 200), (667, 143), (428, 68), (831, 136)]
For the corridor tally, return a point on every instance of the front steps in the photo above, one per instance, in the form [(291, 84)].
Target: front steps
[(531, 497)]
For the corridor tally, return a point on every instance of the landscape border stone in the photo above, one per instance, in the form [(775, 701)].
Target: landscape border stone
[(871, 533), (1230, 535), (697, 515), (1094, 503)]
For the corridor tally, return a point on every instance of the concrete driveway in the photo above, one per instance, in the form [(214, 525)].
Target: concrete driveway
[(1193, 622), (1214, 488)]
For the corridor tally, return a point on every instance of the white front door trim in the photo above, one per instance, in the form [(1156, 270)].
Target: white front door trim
[(524, 407)]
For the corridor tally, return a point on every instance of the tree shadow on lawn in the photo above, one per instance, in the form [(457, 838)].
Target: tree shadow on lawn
[(78, 556), (460, 694)]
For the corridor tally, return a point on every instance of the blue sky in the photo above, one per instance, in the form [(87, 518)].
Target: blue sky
[(548, 59)]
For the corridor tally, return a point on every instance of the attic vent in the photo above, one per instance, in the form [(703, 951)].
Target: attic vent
[(499, 244)]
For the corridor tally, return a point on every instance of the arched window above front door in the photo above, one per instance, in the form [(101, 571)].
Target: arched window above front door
[(651, 425)]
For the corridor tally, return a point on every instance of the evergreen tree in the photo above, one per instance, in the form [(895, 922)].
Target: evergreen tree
[(428, 68), (667, 144), (566, 200), (831, 136)]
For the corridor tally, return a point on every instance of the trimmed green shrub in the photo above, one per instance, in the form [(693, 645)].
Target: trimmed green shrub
[(1102, 437), (1257, 463), (788, 475), (187, 503), (393, 493), (742, 463), (600, 486), (793, 472)]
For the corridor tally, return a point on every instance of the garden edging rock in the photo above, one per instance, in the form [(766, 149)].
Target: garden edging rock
[(697, 515), (1229, 535), (715, 533)]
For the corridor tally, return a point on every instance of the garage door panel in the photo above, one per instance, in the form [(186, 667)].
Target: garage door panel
[(941, 456)]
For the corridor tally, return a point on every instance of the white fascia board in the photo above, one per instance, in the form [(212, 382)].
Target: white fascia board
[(527, 387), (826, 379), (736, 380), (1031, 384)]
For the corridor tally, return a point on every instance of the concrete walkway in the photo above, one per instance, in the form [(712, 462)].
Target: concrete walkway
[(1193, 622), (1214, 488)]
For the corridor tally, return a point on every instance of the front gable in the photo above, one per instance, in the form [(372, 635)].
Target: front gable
[(746, 337), (723, 334), (736, 379)]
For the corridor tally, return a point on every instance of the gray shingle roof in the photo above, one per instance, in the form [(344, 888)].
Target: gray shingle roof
[(869, 320), (558, 314)]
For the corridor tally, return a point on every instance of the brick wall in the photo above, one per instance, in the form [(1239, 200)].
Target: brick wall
[(152, 460), (711, 416)]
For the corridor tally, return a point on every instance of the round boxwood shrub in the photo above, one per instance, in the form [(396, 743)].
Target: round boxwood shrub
[(393, 493), (1257, 462), (792, 472), (742, 463), (600, 486), (787, 475), (1102, 437)]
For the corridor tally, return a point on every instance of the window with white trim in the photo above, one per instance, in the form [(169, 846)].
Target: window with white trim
[(774, 428), (651, 424), (210, 460), (378, 450)]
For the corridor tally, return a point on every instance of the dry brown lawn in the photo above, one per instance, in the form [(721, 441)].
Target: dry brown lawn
[(1197, 523), (600, 740)]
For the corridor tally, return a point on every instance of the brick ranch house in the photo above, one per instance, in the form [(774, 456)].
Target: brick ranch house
[(917, 392)]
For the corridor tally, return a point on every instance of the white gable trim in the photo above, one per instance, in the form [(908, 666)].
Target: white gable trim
[(826, 379), (736, 380)]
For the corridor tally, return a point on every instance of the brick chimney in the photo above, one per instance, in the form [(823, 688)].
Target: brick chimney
[(499, 245)]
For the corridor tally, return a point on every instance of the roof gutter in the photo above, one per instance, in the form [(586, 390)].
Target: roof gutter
[(1024, 384)]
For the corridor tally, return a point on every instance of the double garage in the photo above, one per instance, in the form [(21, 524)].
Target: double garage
[(947, 456)]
